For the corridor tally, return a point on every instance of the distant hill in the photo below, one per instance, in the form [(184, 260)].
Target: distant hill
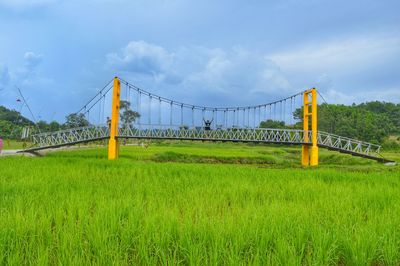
[(12, 122), (14, 117)]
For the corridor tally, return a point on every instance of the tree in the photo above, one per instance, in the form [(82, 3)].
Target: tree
[(128, 116), (76, 120), (370, 122), (272, 124), (6, 128), (48, 127), (42, 125), (54, 126)]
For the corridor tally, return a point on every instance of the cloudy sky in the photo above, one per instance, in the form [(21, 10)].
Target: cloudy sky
[(209, 52)]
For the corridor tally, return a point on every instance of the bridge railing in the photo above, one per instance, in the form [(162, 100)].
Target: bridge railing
[(267, 135), (90, 133), (70, 136), (289, 136), (346, 144)]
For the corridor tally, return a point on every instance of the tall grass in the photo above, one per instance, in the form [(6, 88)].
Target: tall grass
[(78, 208)]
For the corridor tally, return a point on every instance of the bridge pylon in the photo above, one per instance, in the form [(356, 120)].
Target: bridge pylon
[(113, 145), (309, 154)]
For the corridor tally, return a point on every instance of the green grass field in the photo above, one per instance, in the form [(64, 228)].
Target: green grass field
[(198, 204)]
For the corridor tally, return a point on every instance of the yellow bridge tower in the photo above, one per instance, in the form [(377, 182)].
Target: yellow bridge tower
[(310, 156), (113, 145)]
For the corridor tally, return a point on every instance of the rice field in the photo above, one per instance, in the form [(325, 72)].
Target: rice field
[(198, 204)]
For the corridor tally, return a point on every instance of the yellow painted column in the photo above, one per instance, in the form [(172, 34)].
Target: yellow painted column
[(305, 155), (314, 129), (113, 146)]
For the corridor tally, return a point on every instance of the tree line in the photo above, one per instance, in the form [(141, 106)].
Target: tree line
[(12, 122), (373, 121)]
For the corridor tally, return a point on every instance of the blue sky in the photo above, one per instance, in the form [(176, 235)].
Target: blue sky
[(219, 53)]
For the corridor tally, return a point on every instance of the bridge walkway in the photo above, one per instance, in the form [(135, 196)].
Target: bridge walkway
[(254, 135)]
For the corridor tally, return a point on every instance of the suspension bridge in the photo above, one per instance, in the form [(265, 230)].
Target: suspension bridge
[(162, 118)]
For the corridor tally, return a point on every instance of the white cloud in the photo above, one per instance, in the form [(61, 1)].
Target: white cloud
[(198, 71), (143, 58), (25, 75), (32, 60), (342, 55), (238, 71), (347, 70), (335, 96), (239, 76)]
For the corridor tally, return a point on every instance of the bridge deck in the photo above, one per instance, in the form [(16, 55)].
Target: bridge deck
[(255, 135)]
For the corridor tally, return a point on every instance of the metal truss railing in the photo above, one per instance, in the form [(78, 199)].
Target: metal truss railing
[(340, 143), (290, 136), (70, 136), (264, 135)]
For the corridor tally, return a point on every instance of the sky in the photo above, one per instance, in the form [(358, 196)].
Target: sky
[(215, 53)]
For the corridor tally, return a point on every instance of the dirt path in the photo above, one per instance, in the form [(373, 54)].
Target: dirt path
[(44, 152), (13, 153)]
